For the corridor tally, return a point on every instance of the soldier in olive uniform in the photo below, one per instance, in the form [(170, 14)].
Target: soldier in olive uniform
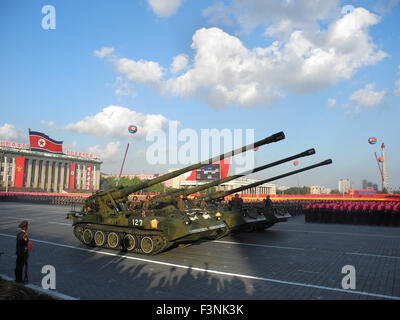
[(134, 204), (195, 202), (23, 248), (203, 204), (268, 202), (236, 203), (180, 203), (146, 203)]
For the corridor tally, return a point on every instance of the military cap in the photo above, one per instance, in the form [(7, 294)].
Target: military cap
[(23, 224)]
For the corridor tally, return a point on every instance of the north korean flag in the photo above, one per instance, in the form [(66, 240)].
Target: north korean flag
[(40, 142)]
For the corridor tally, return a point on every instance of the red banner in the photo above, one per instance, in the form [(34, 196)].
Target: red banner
[(88, 176), (19, 171), (72, 176), (40, 142)]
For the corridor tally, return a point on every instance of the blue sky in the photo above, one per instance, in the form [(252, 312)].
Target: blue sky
[(329, 79)]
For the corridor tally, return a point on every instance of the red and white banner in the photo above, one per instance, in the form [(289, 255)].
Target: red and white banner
[(40, 142), (72, 176), (19, 171), (88, 176), (80, 154), (16, 145)]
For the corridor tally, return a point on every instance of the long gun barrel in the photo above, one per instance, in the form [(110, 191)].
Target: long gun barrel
[(117, 194), (185, 192), (223, 194)]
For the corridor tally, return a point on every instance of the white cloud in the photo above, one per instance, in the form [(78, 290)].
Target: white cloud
[(9, 133), (105, 51), (331, 103), (113, 121), (179, 63), (279, 17), (50, 124), (124, 88), (164, 8), (106, 153), (143, 72), (224, 71), (367, 97)]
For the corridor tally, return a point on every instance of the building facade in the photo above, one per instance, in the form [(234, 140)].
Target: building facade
[(319, 190), (344, 185), (141, 176), (25, 170)]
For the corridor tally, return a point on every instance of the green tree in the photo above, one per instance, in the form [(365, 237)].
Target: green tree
[(298, 190)]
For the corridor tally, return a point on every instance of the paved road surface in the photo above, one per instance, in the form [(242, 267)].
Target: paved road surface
[(291, 260)]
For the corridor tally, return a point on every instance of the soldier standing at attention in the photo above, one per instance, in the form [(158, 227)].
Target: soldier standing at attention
[(23, 248)]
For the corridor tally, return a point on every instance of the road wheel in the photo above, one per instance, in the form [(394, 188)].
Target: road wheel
[(87, 236), (99, 238), (147, 245), (129, 242), (113, 240), (78, 232)]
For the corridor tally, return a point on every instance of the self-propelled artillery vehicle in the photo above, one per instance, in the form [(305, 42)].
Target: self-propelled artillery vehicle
[(106, 221), (241, 217)]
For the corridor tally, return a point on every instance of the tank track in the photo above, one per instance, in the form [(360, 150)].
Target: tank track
[(147, 242)]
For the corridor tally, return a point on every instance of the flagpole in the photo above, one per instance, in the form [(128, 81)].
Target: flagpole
[(123, 162)]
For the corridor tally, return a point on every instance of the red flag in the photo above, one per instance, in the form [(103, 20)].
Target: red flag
[(72, 176), (19, 171), (40, 142)]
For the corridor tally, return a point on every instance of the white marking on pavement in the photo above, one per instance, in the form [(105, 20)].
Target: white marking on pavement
[(64, 224), (52, 293), (363, 293), (258, 245), (372, 255)]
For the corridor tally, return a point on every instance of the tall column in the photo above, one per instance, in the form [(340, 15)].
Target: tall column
[(61, 184), (55, 178), (97, 178), (5, 172), (49, 176), (12, 173), (36, 174), (29, 173), (66, 186), (43, 177), (78, 176)]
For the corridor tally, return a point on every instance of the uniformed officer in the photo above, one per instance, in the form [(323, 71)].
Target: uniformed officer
[(203, 204), (237, 203), (180, 203), (146, 203), (23, 248), (196, 202), (268, 202), (134, 204)]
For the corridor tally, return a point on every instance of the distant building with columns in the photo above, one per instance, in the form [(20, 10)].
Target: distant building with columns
[(26, 170)]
